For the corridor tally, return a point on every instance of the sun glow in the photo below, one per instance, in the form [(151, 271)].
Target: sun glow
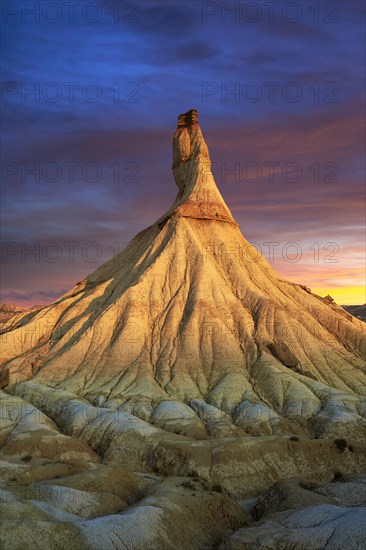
[(349, 296)]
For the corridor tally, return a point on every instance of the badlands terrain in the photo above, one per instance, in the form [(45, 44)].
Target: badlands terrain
[(184, 396), (357, 311)]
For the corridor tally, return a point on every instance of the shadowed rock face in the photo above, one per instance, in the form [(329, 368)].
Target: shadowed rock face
[(293, 516), (190, 329)]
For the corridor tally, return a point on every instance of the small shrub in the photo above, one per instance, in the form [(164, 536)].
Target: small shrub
[(164, 462), (294, 438), (341, 444), (338, 476), (217, 488), (192, 473), (350, 448), (188, 485), (26, 458), (307, 485)]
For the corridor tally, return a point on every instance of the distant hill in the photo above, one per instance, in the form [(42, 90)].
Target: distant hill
[(9, 310), (357, 311)]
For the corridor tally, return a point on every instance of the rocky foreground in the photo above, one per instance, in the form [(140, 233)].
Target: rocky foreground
[(184, 396), (99, 479)]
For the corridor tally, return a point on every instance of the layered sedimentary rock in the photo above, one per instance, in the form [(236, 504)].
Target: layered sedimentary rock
[(114, 481), (184, 383), (7, 311), (191, 329)]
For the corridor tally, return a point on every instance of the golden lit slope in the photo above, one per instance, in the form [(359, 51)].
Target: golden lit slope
[(190, 316)]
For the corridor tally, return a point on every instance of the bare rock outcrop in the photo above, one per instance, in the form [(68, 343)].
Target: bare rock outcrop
[(181, 377), (190, 313), (294, 516)]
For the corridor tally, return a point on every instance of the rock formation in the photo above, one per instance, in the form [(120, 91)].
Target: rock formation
[(9, 310), (189, 367), (189, 323)]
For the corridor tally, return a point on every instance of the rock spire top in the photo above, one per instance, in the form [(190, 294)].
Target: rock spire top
[(188, 118), (198, 196)]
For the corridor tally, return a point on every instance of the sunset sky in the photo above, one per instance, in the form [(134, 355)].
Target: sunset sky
[(90, 98)]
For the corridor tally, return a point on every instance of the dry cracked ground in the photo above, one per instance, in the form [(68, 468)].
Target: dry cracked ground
[(83, 477)]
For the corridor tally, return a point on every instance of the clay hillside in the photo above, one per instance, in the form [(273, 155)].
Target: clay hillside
[(189, 317), (181, 377)]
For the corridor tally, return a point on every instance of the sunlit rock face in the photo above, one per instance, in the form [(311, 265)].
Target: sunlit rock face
[(191, 330), (184, 383)]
